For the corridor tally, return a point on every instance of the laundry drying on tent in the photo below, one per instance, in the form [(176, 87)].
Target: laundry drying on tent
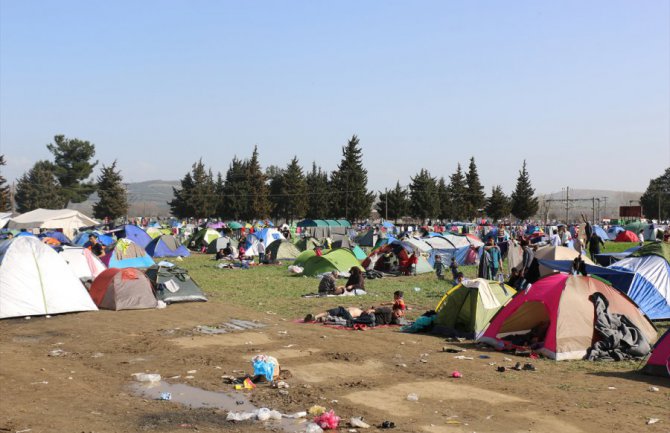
[(36, 280), (123, 289)]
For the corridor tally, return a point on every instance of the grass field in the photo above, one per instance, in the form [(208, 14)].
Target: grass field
[(272, 289)]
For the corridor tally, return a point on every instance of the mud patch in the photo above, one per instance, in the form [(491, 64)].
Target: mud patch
[(514, 423), (324, 371), (227, 340), (282, 354)]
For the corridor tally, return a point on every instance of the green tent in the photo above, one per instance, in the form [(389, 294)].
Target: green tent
[(203, 236), (337, 260), (234, 225), (303, 257), (173, 284), (468, 308), (358, 253), (283, 250), (344, 223), (660, 249), (636, 226)]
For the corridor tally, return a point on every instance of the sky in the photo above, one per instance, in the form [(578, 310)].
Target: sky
[(579, 89)]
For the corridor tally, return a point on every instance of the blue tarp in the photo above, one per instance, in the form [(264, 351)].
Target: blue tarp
[(620, 279)]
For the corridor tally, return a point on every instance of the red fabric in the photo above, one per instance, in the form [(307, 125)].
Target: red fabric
[(627, 236), (101, 283)]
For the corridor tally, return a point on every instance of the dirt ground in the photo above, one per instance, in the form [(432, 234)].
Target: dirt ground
[(89, 388)]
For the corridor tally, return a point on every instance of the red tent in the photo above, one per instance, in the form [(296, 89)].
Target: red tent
[(627, 236), (659, 361)]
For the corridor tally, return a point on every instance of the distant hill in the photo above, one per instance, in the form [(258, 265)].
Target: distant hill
[(606, 207)]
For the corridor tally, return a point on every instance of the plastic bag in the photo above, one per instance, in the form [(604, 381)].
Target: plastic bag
[(327, 420), (265, 365)]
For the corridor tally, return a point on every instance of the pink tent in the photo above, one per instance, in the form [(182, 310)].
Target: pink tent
[(560, 304), (659, 361)]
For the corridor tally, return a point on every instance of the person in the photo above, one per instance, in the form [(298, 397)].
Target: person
[(328, 285), (495, 261), (578, 266), (220, 254), (641, 237), (10, 235), (241, 251), (318, 251), (594, 243), (514, 278), (372, 316), (355, 280), (460, 279), (526, 259), (438, 267), (565, 236), (261, 252), (555, 239), (453, 266), (413, 262), (94, 245), (399, 306)]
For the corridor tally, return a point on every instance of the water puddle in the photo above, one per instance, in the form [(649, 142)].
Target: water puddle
[(199, 398)]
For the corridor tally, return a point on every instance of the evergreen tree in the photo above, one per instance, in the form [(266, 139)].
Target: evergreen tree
[(457, 191), (423, 196), (318, 195), (38, 188), (72, 165), (474, 196), (219, 191), (235, 190), (524, 202), (294, 189), (276, 185), (657, 191), (197, 195), (258, 202), (498, 205), (113, 201), (5, 201), (444, 200), (350, 197), (396, 201)]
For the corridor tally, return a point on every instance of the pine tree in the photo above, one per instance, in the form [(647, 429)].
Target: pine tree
[(294, 189), (524, 202), (657, 192), (113, 201), (498, 205), (475, 196), (5, 201), (457, 194), (72, 165), (235, 190), (350, 197), (197, 196), (258, 202), (396, 201), (219, 191), (38, 188), (444, 201), (275, 176), (423, 196), (318, 195)]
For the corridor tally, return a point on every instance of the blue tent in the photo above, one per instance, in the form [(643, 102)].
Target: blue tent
[(650, 288), (82, 238), (613, 231), (620, 279), (24, 234), (135, 234), (59, 236), (166, 246), (127, 254), (602, 234)]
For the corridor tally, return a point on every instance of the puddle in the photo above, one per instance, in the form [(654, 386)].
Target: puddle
[(199, 398)]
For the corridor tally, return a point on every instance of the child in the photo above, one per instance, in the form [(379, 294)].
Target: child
[(399, 306), (438, 267), (454, 268)]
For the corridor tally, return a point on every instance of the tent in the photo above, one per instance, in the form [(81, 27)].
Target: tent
[(556, 254), (660, 249), (601, 233), (154, 232), (221, 243), (636, 226), (36, 280), (367, 239), (303, 257), (166, 246), (135, 234), (84, 264), (202, 237), (562, 301), (337, 260), (127, 254), (606, 259), (123, 289), (613, 231), (266, 236), (658, 363), (466, 309), (174, 284), (358, 253), (65, 219), (650, 287), (234, 225), (626, 236), (307, 243), (4, 218), (283, 250), (82, 238), (59, 236)]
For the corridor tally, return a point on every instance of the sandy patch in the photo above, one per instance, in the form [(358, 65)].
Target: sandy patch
[(514, 423), (227, 340), (282, 354), (324, 371)]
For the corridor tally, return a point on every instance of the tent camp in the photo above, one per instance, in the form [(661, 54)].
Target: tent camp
[(36, 280), (466, 309), (135, 234), (84, 264), (658, 363), (556, 254), (127, 254), (283, 250), (563, 302), (202, 237), (221, 243), (341, 260), (166, 246), (626, 236), (123, 289), (650, 288), (67, 220), (174, 284)]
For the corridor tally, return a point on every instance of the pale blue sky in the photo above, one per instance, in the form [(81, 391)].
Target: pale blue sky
[(581, 89)]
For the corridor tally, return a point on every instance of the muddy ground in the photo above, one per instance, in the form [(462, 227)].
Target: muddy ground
[(89, 387)]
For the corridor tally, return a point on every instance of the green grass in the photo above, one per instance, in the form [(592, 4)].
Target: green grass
[(617, 247)]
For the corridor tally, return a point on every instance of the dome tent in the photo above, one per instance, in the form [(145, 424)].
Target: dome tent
[(341, 260), (123, 289), (127, 254), (166, 246)]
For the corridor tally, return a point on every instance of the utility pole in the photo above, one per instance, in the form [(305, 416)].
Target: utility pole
[(567, 203), (593, 210), (386, 206)]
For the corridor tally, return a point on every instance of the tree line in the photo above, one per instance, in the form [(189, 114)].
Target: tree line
[(247, 191)]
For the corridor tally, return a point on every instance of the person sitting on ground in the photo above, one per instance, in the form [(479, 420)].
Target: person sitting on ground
[(355, 280), (221, 254), (328, 285), (240, 252), (399, 306)]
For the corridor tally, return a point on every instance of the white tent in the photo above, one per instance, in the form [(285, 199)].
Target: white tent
[(36, 280), (4, 218), (66, 219), (83, 262)]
